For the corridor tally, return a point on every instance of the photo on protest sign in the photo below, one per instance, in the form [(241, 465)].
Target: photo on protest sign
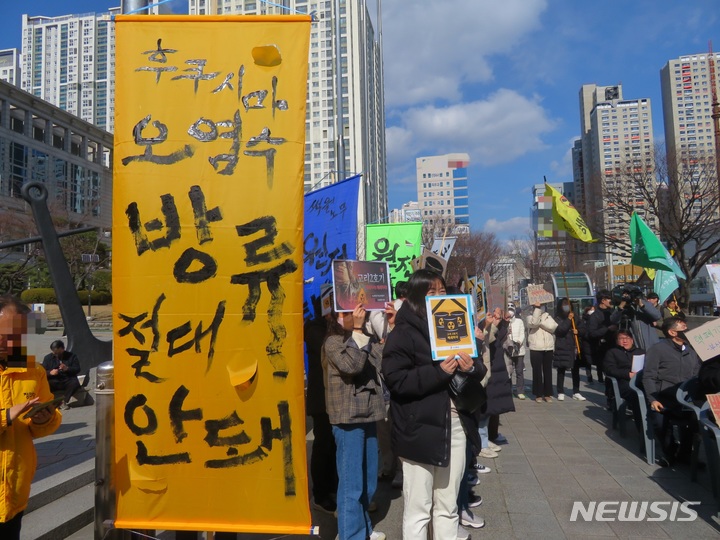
[(451, 325), (714, 402), (431, 261), (360, 282), (476, 289), (326, 299)]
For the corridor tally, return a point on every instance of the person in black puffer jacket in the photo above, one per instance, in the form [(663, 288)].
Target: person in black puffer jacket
[(618, 363), (429, 434), (585, 345), (566, 350), (499, 387)]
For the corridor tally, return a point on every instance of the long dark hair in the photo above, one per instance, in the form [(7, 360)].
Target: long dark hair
[(559, 307), (418, 287), (334, 328)]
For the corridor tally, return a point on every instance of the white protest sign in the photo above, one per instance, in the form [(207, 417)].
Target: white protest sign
[(538, 295), (705, 339), (443, 246), (714, 273)]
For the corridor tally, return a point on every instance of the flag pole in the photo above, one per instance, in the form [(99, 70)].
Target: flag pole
[(567, 295)]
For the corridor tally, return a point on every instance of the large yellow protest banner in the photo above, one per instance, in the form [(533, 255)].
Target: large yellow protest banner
[(207, 273)]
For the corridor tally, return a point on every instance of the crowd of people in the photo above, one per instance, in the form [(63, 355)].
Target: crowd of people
[(382, 408)]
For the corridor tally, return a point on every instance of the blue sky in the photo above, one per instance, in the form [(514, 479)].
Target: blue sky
[(498, 80)]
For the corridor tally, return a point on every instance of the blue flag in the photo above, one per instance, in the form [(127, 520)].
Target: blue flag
[(330, 233)]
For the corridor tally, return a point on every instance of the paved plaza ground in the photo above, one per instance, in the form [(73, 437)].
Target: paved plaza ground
[(557, 453)]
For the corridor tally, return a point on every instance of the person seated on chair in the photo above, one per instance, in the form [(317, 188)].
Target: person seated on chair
[(62, 368), (618, 363), (667, 365)]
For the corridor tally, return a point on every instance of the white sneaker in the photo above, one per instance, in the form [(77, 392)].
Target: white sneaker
[(521, 396), (494, 447), (480, 469), (579, 397), (376, 535), (462, 534), (487, 453), (561, 397), (468, 519)]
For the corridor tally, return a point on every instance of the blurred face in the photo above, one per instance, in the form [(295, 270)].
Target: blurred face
[(498, 313), (57, 351), (12, 327), (653, 301), (436, 289), (672, 304), (346, 321), (625, 341), (679, 331), (605, 303)]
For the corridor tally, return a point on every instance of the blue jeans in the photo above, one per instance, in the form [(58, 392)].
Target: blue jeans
[(483, 431), (357, 468)]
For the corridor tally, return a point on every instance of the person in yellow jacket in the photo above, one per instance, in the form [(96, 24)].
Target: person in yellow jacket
[(22, 385)]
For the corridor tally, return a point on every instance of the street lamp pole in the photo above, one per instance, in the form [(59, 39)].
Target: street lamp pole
[(89, 259)]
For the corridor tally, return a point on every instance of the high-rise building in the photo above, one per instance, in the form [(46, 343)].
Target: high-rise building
[(616, 151), (10, 66), (359, 113), (687, 94), (73, 159), (69, 61), (409, 212), (442, 187)]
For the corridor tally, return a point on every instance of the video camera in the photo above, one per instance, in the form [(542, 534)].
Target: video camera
[(626, 293)]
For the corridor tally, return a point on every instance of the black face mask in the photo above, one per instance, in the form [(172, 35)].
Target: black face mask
[(681, 335)]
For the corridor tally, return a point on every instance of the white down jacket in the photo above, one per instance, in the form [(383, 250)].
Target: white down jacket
[(540, 331), (517, 331)]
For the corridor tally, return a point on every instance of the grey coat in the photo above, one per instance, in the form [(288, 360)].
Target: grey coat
[(353, 390), (666, 367), (644, 333)]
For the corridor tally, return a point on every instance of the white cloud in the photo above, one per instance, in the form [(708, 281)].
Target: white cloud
[(431, 48), (516, 226), (493, 131)]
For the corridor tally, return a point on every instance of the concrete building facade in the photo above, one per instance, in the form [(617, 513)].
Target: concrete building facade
[(687, 94), (69, 61), (10, 66), (410, 211), (442, 187), (72, 158), (615, 152), (358, 113)]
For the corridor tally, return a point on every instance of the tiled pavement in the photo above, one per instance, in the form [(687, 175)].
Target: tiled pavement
[(562, 452), (557, 453)]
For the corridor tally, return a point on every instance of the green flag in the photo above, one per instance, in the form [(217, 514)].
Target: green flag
[(396, 243), (664, 284), (648, 251)]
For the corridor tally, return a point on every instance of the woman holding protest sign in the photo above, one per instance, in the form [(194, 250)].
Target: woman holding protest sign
[(429, 431), (354, 399), (541, 341)]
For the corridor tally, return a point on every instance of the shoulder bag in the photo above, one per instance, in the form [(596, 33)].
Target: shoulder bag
[(467, 392)]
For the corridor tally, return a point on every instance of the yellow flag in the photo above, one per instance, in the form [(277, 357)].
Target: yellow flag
[(207, 238), (566, 217)]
